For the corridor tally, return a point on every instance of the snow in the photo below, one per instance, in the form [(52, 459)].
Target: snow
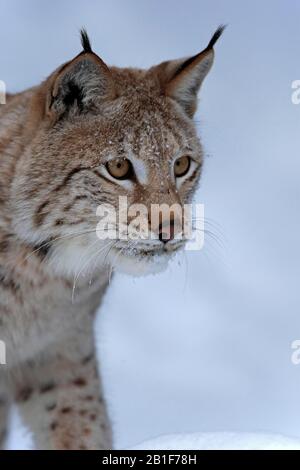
[(206, 346), (220, 441), (189, 441)]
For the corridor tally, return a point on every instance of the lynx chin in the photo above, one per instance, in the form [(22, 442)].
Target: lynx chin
[(87, 135)]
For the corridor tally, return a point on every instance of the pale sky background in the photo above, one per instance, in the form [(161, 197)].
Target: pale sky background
[(205, 346)]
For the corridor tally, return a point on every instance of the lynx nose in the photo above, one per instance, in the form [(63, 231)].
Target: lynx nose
[(166, 232)]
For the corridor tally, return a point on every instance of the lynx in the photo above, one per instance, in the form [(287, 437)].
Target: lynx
[(84, 137)]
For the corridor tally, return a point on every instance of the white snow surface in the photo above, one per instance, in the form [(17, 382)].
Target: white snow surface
[(206, 346), (220, 441)]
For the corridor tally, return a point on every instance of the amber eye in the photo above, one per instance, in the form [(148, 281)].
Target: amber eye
[(120, 168), (182, 166)]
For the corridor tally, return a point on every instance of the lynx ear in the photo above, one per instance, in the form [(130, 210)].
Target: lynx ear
[(181, 79), (79, 85)]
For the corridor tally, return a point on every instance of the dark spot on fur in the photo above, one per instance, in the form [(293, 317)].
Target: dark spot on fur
[(93, 417), (82, 412), (89, 398), (66, 410), (86, 431), (79, 382), (58, 222), (47, 387), (42, 249), (24, 394), (53, 425)]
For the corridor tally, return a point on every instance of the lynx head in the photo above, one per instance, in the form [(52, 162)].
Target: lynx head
[(98, 133)]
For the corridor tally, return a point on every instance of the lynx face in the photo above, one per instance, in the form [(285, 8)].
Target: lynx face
[(98, 133)]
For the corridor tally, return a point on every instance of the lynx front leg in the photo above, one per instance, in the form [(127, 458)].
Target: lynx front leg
[(61, 399)]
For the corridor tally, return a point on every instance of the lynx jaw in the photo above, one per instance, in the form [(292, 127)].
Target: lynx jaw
[(140, 262)]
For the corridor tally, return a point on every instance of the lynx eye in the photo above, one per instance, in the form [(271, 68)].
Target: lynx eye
[(182, 166), (120, 168)]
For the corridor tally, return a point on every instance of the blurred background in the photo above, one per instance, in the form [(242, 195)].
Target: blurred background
[(205, 346)]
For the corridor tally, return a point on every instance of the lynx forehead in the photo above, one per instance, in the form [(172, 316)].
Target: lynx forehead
[(87, 136)]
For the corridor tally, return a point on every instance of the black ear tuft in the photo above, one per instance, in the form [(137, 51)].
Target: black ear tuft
[(85, 42), (216, 36)]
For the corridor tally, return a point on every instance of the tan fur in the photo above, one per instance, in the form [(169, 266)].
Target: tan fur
[(52, 152)]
